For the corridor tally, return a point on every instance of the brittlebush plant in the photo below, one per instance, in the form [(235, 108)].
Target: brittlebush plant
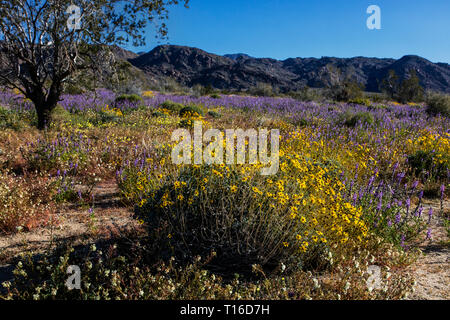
[(294, 217)]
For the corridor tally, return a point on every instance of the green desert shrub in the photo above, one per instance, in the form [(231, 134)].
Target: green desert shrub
[(425, 162), (346, 91), (159, 114), (60, 115), (172, 106), (353, 119), (301, 122), (202, 210), (264, 90), (361, 101), (10, 119), (215, 96), (214, 114), (438, 104), (191, 110), (410, 89), (117, 271), (129, 98)]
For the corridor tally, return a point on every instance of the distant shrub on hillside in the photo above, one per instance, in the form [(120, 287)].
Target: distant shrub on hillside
[(307, 94), (346, 91), (263, 90), (438, 104), (410, 89)]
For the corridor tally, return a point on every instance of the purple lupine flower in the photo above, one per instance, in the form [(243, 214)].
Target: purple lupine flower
[(429, 234), (380, 204), (396, 166), (415, 184), (389, 223), (398, 218), (442, 192), (420, 195), (419, 212), (430, 214)]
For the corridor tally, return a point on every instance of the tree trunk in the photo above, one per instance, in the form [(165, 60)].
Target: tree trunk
[(44, 115)]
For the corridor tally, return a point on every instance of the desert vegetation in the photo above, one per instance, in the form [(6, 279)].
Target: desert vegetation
[(360, 183)]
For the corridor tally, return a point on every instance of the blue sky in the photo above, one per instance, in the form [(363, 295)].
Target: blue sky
[(311, 28)]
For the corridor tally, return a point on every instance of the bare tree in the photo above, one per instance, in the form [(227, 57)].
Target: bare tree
[(43, 42)]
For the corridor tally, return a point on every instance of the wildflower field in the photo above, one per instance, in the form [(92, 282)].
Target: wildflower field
[(357, 186)]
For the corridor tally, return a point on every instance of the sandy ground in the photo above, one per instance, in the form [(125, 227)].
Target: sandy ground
[(432, 270), (75, 225)]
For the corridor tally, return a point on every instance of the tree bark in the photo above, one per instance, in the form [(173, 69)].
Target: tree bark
[(44, 113)]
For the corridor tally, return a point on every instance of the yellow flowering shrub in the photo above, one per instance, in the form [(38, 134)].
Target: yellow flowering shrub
[(293, 216), (148, 94), (429, 154)]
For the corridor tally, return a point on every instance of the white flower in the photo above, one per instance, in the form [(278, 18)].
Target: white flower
[(347, 286)]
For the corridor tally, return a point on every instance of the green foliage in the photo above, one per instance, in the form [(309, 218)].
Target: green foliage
[(301, 123), (60, 115), (215, 96), (158, 114), (346, 91), (172, 106), (10, 120), (439, 104), (191, 110), (72, 88), (196, 212), (424, 162), (361, 101), (410, 89), (65, 190), (214, 114), (390, 85), (352, 119), (377, 97), (263, 90), (53, 156), (307, 94), (44, 89), (118, 271), (129, 98)]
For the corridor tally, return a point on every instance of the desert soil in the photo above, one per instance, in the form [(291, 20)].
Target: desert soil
[(432, 270)]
